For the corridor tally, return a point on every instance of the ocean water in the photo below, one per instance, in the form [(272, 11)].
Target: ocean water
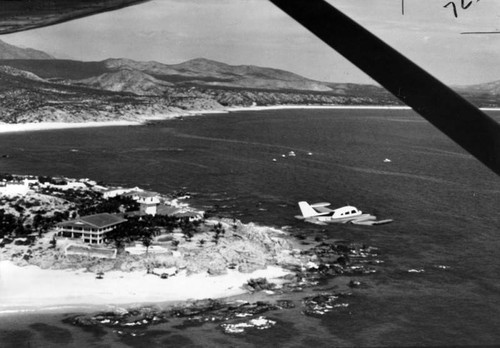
[(444, 203)]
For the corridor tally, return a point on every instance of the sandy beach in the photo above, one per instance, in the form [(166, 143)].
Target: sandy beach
[(334, 107), (31, 288), (29, 127), (39, 126)]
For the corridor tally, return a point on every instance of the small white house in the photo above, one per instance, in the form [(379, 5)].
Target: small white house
[(149, 205)]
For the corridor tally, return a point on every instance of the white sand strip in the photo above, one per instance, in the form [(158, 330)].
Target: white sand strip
[(337, 107), (28, 127), (334, 107), (32, 287)]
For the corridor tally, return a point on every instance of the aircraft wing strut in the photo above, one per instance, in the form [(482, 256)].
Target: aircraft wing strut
[(453, 115)]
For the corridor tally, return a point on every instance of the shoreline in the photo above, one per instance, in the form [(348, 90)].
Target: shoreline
[(41, 126), (78, 286), (81, 290), (313, 107)]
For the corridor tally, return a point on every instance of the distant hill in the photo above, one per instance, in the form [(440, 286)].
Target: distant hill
[(8, 51), (154, 78), (59, 69), (489, 88), (207, 72), (125, 80), (483, 94), (16, 72), (193, 73)]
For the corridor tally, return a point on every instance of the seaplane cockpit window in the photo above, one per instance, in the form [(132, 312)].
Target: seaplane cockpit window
[(353, 212)]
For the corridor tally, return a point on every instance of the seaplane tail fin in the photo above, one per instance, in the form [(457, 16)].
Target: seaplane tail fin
[(306, 210)]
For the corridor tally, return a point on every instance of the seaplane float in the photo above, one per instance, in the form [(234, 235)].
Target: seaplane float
[(319, 214)]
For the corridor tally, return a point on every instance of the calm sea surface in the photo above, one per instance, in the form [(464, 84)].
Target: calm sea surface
[(445, 205)]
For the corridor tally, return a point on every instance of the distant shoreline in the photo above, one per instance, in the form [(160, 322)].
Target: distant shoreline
[(40, 126), (340, 107)]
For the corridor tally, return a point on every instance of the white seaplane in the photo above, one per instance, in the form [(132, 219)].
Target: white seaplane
[(319, 214)]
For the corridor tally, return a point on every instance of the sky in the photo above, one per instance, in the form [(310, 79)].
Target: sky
[(255, 32)]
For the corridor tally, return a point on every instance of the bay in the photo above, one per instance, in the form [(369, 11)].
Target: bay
[(444, 202)]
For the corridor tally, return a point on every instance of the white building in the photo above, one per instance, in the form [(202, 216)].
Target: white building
[(14, 188), (91, 229), (67, 186)]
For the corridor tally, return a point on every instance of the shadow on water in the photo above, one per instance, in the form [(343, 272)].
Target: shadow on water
[(16, 338), (53, 334)]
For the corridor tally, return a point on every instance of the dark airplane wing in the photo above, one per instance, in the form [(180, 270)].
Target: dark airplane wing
[(19, 15)]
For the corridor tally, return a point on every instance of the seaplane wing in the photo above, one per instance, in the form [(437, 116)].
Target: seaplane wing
[(322, 204), (322, 207)]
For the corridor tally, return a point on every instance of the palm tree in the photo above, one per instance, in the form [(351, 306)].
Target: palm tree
[(53, 242), (147, 240), (119, 244)]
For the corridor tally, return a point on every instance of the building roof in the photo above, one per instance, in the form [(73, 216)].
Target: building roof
[(166, 210), (190, 214), (95, 221), (148, 200)]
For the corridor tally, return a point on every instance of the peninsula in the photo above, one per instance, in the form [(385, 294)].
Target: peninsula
[(111, 245)]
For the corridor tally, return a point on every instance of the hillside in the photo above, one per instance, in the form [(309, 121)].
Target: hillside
[(489, 88), (58, 69), (211, 73), (130, 81), (154, 78), (150, 78), (484, 94), (8, 51), (26, 97)]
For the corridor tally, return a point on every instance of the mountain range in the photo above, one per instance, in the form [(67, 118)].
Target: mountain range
[(154, 78), (32, 77)]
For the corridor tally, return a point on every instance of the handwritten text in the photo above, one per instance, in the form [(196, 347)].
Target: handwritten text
[(463, 5)]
